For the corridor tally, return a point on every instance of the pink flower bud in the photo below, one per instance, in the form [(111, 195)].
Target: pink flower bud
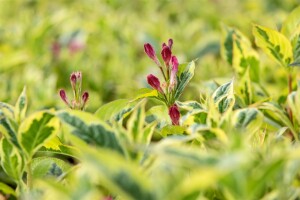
[(174, 70), (174, 114), (63, 96), (73, 79), (85, 97), (170, 43), (153, 81), (150, 51), (163, 45), (166, 54)]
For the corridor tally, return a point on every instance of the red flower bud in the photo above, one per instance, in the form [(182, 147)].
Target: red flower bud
[(150, 51), (174, 114), (175, 64), (174, 70), (153, 81), (63, 96), (166, 54), (163, 45), (85, 97), (170, 43), (73, 79)]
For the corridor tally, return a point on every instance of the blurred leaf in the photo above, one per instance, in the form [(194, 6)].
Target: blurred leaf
[(36, 130), (293, 100), (11, 161), (189, 105), (296, 50), (117, 174), (279, 113), (184, 75), (275, 44), (171, 130), (54, 145), (145, 92), (43, 167), (248, 119), (8, 129), (7, 110), (223, 97), (136, 122), (245, 89), (158, 114), (237, 50), (290, 26), (90, 129), (7, 189), (115, 110), (21, 106)]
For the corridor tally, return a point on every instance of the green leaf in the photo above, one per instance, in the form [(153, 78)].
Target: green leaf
[(90, 129), (158, 114), (296, 51), (185, 74), (136, 122), (7, 110), (36, 130), (55, 146), (274, 44), (291, 25), (189, 105), (21, 106), (277, 111), (171, 130), (245, 89), (145, 92), (43, 167), (115, 110), (117, 174), (248, 119), (237, 50), (223, 97), (8, 129), (11, 161), (293, 100), (7, 189)]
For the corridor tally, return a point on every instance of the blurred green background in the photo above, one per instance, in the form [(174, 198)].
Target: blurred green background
[(42, 42)]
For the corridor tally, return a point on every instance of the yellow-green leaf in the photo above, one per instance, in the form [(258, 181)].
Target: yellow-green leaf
[(21, 106), (274, 44), (291, 25), (11, 160), (36, 130)]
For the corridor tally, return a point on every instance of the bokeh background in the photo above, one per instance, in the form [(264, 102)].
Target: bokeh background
[(43, 41)]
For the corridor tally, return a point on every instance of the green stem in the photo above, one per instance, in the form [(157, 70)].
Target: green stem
[(289, 110), (29, 174), (162, 71)]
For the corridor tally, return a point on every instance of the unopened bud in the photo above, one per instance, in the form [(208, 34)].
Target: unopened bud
[(85, 97), (170, 43), (154, 82), (63, 96), (166, 54), (174, 114), (174, 70), (73, 79), (149, 50)]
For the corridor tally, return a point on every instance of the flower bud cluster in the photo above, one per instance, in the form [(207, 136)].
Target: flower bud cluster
[(79, 99), (169, 71)]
